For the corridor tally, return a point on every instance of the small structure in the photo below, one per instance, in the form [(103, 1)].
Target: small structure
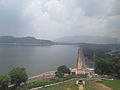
[(80, 81)]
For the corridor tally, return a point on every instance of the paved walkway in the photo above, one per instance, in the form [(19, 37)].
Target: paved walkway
[(80, 87)]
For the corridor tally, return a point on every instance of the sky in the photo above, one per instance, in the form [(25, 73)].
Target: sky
[(51, 19)]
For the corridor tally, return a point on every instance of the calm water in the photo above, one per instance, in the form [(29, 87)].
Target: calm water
[(36, 59)]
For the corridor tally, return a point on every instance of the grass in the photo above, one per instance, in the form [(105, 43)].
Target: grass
[(39, 83), (114, 84), (70, 85), (90, 86)]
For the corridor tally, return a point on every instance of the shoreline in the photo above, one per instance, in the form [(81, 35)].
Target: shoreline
[(41, 76)]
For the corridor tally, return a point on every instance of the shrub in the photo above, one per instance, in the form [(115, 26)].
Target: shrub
[(61, 70), (4, 81), (46, 82), (18, 75)]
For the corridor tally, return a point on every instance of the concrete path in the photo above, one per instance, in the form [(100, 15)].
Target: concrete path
[(80, 87)]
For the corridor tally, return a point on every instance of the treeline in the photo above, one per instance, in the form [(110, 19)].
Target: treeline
[(100, 50), (108, 66), (106, 58)]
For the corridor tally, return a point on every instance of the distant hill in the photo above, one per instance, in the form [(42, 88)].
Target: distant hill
[(23, 41), (88, 39)]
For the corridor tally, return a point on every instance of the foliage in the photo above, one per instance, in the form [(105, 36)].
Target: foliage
[(24, 87), (100, 50), (61, 70), (46, 82), (114, 84), (108, 66), (39, 83), (4, 81), (18, 75), (70, 85)]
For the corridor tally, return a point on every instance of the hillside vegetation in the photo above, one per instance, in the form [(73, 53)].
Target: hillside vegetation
[(24, 41)]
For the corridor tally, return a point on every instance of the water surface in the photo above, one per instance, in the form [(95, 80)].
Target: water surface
[(36, 59)]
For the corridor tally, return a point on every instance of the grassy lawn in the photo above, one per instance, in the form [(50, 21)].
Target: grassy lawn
[(90, 86), (114, 84), (70, 85)]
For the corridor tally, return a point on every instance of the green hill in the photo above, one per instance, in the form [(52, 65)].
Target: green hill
[(24, 41)]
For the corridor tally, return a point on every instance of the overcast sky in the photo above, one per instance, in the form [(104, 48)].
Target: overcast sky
[(51, 19)]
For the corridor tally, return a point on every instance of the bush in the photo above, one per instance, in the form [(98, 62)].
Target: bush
[(46, 82), (18, 75), (61, 70), (4, 82), (81, 76), (22, 88)]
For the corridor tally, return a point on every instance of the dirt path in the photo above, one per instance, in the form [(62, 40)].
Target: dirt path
[(80, 87), (69, 89), (101, 86)]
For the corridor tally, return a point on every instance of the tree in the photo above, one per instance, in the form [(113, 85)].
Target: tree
[(108, 66), (4, 81), (61, 70), (18, 75)]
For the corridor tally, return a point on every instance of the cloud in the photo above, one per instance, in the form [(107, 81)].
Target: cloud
[(50, 19), (113, 25), (113, 19), (115, 9), (94, 7), (12, 18)]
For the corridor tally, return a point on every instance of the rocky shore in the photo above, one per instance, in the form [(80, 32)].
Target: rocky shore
[(45, 75)]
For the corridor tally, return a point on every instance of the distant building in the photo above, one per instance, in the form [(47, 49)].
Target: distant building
[(81, 67)]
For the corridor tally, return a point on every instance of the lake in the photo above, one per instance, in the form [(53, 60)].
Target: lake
[(36, 59)]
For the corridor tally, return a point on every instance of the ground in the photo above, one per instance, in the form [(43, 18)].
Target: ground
[(90, 85), (114, 84), (101, 86), (93, 85), (70, 85), (80, 87)]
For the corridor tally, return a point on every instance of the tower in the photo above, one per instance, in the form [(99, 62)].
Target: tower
[(80, 62), (93, 59)]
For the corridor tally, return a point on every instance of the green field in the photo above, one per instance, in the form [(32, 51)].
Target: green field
[(90, 86), (114, 84), (70, 85)]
